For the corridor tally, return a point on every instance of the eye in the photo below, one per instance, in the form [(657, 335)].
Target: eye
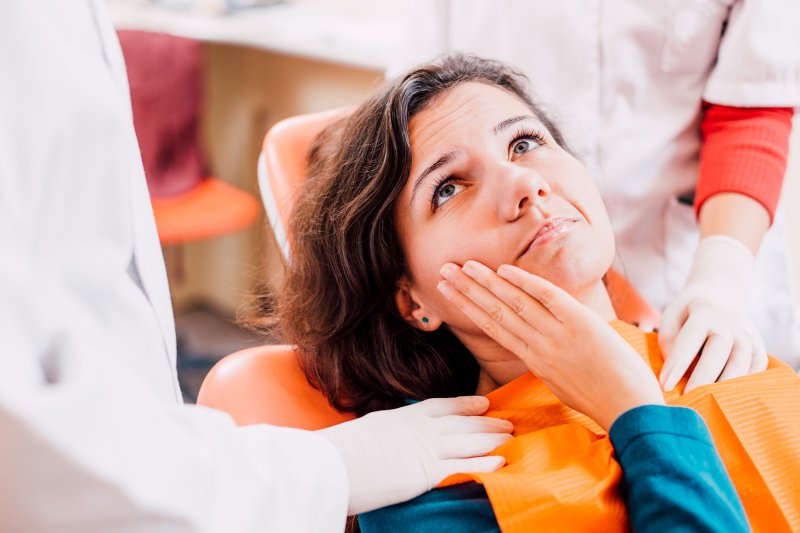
[(526, 141), (445, 189), (523, 146)]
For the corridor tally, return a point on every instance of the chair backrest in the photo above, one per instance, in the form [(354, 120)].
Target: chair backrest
[(283, 163), (265, 384)]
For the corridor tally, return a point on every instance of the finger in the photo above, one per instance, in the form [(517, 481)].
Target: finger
[(484, 321), (472, 445), (555, 299), (760, 357), (715, 355), (690, 339), (487, 301), (487, 463), (453, 424), (672, 320), (461, 405), (740, 361), (533, 313)]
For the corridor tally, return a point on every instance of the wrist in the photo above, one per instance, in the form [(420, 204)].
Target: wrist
[(721, 260)]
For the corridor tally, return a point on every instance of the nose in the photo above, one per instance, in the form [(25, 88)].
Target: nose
[(519, 190)]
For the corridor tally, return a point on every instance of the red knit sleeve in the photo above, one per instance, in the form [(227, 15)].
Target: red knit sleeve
[(744, 150)]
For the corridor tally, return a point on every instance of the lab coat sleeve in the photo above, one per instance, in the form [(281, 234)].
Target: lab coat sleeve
[(92, 438), (86, 447), (758, 62)]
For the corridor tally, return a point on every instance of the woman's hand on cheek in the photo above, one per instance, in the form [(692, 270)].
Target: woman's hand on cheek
[(580, 357)]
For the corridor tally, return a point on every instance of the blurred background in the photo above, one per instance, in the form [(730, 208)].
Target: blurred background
[(208, 80)]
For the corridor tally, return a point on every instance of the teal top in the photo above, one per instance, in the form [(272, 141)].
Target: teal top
[(673, 480)]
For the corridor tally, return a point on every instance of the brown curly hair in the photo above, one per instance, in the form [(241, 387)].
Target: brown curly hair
[(337, 304)]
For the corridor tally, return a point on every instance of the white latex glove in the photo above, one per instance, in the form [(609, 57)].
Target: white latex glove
[(710, 314), (393, 456)]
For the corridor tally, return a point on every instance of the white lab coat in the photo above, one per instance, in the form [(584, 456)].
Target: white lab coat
[(624, 79), (92, 433)]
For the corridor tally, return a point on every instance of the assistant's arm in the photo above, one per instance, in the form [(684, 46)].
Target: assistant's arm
[(742, 164)]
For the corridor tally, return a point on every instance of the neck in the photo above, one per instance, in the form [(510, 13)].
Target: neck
[(500, 366)]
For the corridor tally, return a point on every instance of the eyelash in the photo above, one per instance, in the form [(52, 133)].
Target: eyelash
[(536, 135)]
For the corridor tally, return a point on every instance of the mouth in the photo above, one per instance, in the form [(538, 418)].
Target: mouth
[(549, 230)]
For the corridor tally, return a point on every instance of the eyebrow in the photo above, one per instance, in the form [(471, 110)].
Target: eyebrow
[(449, 156), (507, 123)]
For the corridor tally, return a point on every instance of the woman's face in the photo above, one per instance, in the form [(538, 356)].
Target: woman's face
[(489, 183)]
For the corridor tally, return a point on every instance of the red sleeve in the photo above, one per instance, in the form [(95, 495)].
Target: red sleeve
[(744, 150)]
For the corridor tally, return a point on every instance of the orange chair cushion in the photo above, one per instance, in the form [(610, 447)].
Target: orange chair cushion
[(266, 385)]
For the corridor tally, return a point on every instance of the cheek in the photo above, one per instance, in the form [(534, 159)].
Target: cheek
[(430, 249)]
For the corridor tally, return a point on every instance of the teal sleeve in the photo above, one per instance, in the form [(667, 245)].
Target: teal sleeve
[(673, 477), (455, 509)]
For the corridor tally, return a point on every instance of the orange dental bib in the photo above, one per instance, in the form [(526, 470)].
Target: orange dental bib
[(561, 474)]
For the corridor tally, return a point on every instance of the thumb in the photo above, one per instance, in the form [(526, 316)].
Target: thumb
[(460, 405)]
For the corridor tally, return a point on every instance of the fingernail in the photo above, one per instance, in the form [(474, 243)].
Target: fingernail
[(444, 288), (469, 268), (447, 272)]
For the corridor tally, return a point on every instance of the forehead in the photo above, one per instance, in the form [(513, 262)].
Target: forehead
[(462, 109)]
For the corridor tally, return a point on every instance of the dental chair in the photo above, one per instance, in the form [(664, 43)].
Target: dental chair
[(265, 384)]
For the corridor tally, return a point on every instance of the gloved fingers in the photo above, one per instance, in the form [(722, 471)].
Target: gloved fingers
[(687, 344), (471, 445), (460, 405), (487, 463), (451, 424), (715, 355), (740, 361), (672, 319)]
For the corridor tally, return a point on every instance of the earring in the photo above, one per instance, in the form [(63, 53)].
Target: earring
[(425, 320)]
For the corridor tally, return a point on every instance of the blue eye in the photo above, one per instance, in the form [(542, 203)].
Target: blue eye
[(524, 145), (445, 190)]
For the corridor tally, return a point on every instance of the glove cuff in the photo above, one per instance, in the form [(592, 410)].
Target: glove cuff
[(723, 260)]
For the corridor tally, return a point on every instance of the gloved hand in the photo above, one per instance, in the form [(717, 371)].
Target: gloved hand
[(393, 456), (710, 314)]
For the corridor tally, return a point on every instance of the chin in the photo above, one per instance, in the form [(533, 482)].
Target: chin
[(574, 274)]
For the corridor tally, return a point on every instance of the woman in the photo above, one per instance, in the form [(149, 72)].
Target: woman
[(682, 110), (448, 244)]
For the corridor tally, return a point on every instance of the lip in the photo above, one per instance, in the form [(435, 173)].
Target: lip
[(547, 231)]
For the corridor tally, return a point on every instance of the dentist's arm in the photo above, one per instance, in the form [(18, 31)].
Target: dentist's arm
[(742, 162), (87, 447)]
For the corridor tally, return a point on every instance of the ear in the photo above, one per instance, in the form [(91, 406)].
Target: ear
[(412, 310)]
